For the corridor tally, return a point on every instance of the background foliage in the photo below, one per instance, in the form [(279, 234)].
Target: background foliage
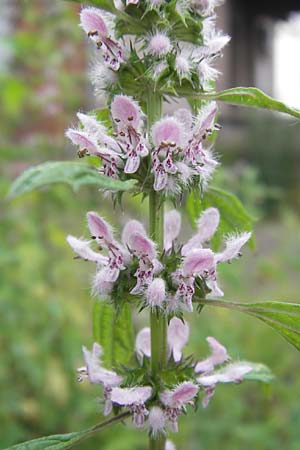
[(45, 307)]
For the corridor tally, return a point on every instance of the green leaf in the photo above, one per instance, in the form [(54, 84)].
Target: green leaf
[(234, 217), (74, 174), (283, 317), (251, 97), (113, 330), (108, 5)]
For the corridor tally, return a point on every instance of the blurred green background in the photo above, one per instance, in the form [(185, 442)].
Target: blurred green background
[(45, 306)]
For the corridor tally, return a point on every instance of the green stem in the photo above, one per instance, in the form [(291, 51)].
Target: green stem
[(159, 443), (158, 321)]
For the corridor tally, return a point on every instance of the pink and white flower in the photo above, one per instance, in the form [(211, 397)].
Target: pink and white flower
[(143, 344), (168, 137), (102, 233), (93, 139), (218, 356), (172, 225), (135, 398), (198, 263), (231, 373), (202, 262), (175, 400), (144, 250), (95, 373), (178, 335), (127, 115), (98, 26)]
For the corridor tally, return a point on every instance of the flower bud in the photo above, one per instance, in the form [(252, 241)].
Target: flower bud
[(156, 420), (159, 45), (156, 293)]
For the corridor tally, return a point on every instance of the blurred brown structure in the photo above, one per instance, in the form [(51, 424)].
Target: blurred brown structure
[(248, 60)]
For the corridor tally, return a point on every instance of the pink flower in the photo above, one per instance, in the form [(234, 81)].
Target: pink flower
[(178, 335), (96, 129), (175, 400), (128, 118), (83, 250), (135, 398), (95, 24), (168, 131), (94, 140), (231, 373), (130, 228), (218, 356), (102, 233), (143, 344), (207, 226), (195, 154), (144, 249), (168, 136), (198, 262), (172, 225), (94, 371), (179, 396), (87, 144), (233, 245), (108, 267), (126, 112)]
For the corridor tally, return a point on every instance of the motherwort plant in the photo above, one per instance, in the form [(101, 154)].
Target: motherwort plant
[(149, 52)]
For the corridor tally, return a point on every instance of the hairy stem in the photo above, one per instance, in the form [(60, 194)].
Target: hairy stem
[(158, 322)]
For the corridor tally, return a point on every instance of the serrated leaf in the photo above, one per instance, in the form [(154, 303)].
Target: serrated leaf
[(234, 217), (282, 317), (251, 97), (113, 330), (55, 442), (72, 173)]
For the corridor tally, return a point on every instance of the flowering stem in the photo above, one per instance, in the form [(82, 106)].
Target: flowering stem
[(158, 322)]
